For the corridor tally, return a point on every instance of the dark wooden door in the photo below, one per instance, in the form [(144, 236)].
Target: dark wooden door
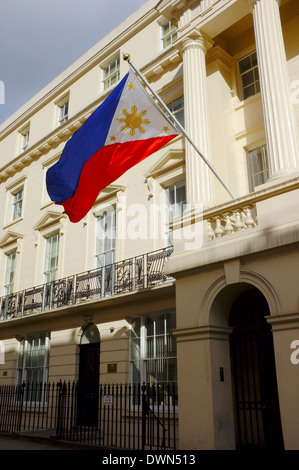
[(88, 387)]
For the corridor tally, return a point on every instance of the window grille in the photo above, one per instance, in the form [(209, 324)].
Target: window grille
[(111, 73), (168, 34), (249, 74)]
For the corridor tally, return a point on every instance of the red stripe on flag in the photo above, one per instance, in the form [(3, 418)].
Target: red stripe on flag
[(104, 167)]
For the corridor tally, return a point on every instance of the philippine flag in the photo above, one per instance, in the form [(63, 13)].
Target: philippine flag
[(125, 129)]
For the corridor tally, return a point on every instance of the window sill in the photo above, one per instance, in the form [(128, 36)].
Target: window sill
[(242, 104)]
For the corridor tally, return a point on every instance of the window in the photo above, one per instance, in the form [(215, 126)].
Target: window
[(177, 108), (51, 258), (8, 306), (50, 270), (175, 200), (169, 34), (63, 113), (17, 203), (33, 362), (249, 74), (24, 137), (15, 200), (105, 238), (105, 247), (153, 349), (25, 141), (111, 73), (258, 167), (10, 273)]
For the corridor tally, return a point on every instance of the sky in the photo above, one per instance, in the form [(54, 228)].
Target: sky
[(39, 39)]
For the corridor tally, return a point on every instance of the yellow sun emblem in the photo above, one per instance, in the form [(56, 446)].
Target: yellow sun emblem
[(133, 120)]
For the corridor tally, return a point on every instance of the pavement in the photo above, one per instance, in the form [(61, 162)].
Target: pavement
[(36, 442), (14, 443)]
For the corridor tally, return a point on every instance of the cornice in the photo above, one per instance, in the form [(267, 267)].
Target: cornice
[(58, 136), (167, 59), (173, 9)]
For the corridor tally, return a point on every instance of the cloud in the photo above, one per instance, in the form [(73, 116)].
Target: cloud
[(41, 38)]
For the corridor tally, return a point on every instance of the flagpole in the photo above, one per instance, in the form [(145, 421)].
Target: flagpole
[(127, 58)]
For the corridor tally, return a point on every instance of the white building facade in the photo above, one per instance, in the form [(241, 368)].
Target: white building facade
[(169, 278)]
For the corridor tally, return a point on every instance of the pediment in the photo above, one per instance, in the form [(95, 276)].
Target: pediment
[(49, 219), (10, 238), (170, 161), (109, 192)]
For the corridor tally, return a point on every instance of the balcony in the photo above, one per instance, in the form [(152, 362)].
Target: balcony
[(134, 274), (255, 223)]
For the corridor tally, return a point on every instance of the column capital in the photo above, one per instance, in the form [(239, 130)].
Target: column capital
[(252, 3), (196, 40)]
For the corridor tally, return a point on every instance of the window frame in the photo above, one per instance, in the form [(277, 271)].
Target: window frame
[(144, 358), (63, 113), (178, 206), (170, 36), (264, 170), (17, 204), (110, 77), (11, 190), (24, 136), (8, 287), (25, 141), (252, 69), (47, 271), (22, 362), (62, 104), (107, 268), (180, 112), (49, 283), (112, 239), (11, 243)]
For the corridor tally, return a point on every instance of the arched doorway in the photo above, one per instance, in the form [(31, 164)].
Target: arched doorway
[(89, 369), (257, 416)]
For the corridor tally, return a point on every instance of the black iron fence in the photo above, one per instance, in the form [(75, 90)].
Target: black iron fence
[(116, 416), (140, 272)]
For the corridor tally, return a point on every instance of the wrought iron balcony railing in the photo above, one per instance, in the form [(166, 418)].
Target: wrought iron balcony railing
[(134, 274)]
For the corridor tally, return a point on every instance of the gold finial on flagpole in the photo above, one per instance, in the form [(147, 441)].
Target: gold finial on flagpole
[(126, 56)]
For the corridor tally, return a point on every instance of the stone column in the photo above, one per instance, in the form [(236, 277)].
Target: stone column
[(280, 128), (198, 175)]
